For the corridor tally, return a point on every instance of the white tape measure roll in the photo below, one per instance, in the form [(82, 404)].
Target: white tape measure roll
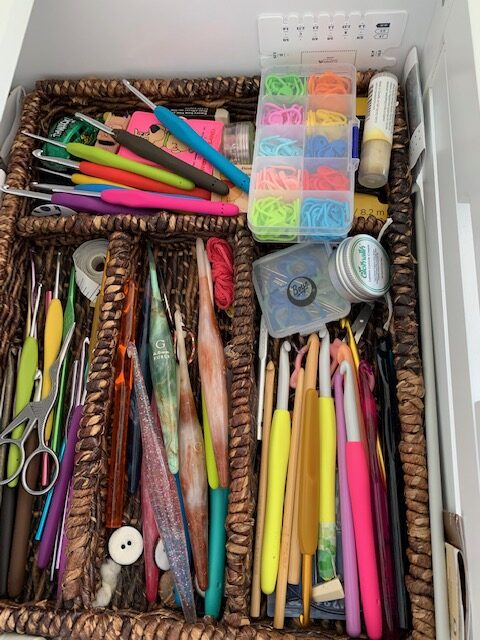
[(89, 260)]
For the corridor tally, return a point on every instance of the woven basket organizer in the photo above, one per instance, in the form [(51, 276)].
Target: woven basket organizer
[(127, 616)]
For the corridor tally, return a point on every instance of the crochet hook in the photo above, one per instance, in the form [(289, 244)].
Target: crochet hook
[(86, 203), (108, 159), (21, 523), (278, 450), (310, 382), (359, 490), (68, 321), (163, 368), (184, 132), (52, 341), (27, 369), (308, 496), (212, 367), (262, 358), (192, 469), (380, 504), (97, 173), (327, 538), (146, 149), (349, 554), (148, 200), (123, 387), (262, 489), (163, 494), (281, 587), (134, 436)]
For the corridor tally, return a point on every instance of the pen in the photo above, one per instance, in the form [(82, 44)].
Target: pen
[(360, 497), (308, 496), (349, 555), (108, 159), (184, 132), (146, 149), (278, 450), (327, 538)]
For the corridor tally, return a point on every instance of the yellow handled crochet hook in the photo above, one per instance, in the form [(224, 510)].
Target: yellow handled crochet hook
[(278, 450), (52, 343)]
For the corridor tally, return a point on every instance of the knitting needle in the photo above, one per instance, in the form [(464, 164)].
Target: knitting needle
[(262, 489), (184, 132), (145, 149), (281, 587), (8, 389), (97, 173), (108, 159), (310, 382)]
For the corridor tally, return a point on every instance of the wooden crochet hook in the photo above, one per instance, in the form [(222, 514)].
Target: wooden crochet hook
[(310, 382), (281, 588), (262, 489)]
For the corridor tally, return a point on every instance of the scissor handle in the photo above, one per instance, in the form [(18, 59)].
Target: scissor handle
[(54, 470), (20, 456)]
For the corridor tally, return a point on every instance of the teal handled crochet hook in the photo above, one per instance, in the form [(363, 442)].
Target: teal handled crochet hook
[(184, 132)]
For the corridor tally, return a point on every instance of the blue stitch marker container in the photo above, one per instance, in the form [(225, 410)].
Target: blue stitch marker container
[(312, 136), (295, 290)]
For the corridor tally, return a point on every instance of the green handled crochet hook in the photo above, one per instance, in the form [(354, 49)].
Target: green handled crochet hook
[(163, 369), (109, 159), (68, 322), (27, 369)]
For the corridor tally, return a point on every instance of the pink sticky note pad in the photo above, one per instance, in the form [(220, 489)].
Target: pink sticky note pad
[(145, 124)]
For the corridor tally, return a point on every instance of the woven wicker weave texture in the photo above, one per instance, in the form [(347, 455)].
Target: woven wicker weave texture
[(239, 95)]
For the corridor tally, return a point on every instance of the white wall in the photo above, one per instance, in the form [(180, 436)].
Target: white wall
[(155, 38)]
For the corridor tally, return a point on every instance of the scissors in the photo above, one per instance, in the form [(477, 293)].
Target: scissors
[(34, 415)]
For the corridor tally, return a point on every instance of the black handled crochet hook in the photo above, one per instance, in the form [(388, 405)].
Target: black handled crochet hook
[(146, 149)]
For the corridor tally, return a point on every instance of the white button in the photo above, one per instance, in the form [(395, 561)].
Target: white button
[(125, 545), (161, 559)]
